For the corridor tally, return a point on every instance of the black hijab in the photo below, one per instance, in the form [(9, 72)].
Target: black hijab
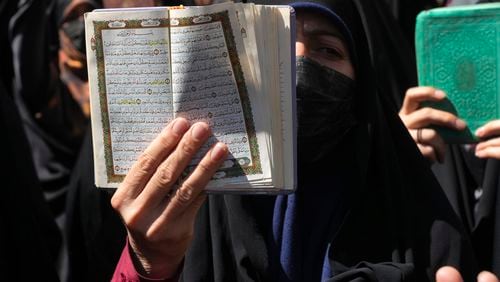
[(94, 231), (396, 223), (29, 239), (405, 13), (53, 121)]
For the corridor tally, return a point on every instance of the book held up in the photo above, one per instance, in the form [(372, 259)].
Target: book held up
[(229, 65), (458, 51)]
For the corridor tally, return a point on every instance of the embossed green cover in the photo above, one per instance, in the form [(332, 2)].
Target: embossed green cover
[(458, 50)]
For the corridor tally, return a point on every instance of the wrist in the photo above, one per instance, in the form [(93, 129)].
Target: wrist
[(151, 268)]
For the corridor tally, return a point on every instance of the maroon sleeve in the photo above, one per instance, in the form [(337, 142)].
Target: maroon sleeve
[(125, 270)]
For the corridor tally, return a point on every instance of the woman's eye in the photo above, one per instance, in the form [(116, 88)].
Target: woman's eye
[(329, 52)]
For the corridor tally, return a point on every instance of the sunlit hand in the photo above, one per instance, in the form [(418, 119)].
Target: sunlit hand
[(450, 274), (417, 120), (491, 147), (159, 221)]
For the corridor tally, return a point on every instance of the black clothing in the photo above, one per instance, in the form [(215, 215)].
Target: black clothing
[(472, 186), (53, 121), (94, 230), (29, 237), (405, 13)]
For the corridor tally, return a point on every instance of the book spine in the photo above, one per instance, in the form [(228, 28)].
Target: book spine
[(420, 46)]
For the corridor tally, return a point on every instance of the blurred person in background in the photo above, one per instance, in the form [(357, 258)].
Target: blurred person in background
[(469, 174)]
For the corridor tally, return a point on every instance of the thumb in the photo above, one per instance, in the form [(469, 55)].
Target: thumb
[(486, 276), (448, 274)]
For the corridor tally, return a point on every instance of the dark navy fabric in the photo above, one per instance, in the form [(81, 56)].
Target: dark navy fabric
[(303, 223)]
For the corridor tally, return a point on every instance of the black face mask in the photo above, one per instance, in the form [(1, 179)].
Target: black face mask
[(324, 108)]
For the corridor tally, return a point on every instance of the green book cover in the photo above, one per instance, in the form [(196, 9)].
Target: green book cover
[(457, 50)]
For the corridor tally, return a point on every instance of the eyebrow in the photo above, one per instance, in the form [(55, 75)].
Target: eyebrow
[(320, 31)]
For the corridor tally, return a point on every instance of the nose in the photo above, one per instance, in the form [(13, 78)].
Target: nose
[(300, 48), (300, 39)]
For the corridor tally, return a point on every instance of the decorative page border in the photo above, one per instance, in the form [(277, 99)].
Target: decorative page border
[(99, 26), (237, 169)]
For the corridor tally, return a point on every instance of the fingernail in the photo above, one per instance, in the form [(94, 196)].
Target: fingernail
[(480, 131), (219, 151), (439, 94), (485, 276), (460, 124), (480, 154), (199, 132), (180, 126)]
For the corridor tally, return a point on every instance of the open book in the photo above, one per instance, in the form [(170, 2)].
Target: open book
[(458, 51), (230, 65)]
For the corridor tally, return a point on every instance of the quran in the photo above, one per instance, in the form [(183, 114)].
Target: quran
[(458, 51), (231, 65)]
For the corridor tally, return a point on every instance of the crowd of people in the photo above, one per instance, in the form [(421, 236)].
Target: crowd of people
[(381, 196)]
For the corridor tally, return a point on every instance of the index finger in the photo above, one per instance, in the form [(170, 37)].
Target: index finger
[(428, 116), (490, 129), (150, 159), (414, 96), (197, 181)]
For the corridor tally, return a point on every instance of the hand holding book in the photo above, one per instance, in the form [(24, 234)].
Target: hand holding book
[(159, 215), (420, 120), (490, 147), (229, 65)]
